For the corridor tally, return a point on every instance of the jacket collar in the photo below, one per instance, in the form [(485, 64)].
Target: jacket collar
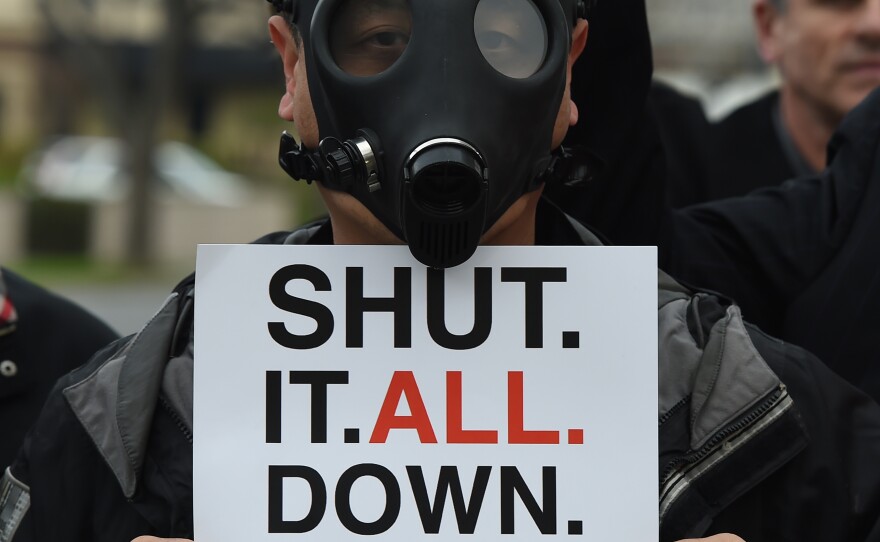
[(116, 402), (8, 315)]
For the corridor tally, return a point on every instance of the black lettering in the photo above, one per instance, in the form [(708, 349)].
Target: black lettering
[(356, 305), (482, 310), (432, 515), (343, 499), (534, 279), (277, 523), (544, 516), (273, 407), (318, 380), (311, 309)]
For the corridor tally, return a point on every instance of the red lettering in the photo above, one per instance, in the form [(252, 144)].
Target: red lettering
[(515, 432), (454, 432), (403, 383)]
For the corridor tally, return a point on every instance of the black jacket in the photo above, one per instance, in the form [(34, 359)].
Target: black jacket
[(756, 436), (838, 314), (707, 161), (49, 337), (765, 249)]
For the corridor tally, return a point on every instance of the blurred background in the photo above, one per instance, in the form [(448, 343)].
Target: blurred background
[(131, 130), (707, 48)]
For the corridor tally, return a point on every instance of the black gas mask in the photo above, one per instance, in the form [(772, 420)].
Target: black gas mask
[(435, 114)]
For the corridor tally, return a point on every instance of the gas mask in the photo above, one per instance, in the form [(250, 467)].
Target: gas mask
[(437, 115)]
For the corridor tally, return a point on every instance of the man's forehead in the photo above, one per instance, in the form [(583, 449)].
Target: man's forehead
[(834, 4)]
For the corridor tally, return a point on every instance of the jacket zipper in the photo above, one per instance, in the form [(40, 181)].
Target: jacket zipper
[(675, 408), (777, 398), (177, 419)]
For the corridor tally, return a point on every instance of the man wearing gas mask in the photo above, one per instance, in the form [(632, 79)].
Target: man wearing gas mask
[(437, 124), (431, 183)]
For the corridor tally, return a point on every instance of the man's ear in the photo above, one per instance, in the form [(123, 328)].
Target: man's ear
[(279, 33), (766, 18), (578, 43)]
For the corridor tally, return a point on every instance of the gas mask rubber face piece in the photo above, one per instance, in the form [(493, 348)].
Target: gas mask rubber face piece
[(435, 114)]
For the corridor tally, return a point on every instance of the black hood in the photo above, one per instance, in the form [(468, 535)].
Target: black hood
[(622, 189), (611, 80)]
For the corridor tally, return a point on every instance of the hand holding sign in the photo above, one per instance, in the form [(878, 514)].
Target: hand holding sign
[(716, 538)]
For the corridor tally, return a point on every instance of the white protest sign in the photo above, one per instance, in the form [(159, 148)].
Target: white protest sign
[(344, 392)]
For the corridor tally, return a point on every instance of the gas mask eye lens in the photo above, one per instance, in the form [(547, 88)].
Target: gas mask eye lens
[(368, 36), (512, 36)]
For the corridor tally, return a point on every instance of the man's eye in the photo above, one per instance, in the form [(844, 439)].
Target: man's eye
[(494, 41), (388, 39), (369, 36)]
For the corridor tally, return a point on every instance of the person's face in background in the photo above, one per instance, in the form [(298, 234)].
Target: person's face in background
[(827, 51)]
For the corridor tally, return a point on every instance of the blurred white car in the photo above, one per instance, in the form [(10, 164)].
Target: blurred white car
[(83, 168)]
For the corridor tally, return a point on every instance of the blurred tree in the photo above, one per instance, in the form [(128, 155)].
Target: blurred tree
[(132, 99)]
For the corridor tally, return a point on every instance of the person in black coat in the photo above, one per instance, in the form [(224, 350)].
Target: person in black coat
[(828, 57), (42, 337), (800, 259), (706, 161)]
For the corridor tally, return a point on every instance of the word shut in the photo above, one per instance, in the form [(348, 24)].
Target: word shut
[(403, 387), (400, 304)]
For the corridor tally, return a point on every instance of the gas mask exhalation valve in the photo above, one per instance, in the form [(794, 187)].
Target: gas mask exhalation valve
[(444, 202)]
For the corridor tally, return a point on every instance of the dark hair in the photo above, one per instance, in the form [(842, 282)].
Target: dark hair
[(779, 4)]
